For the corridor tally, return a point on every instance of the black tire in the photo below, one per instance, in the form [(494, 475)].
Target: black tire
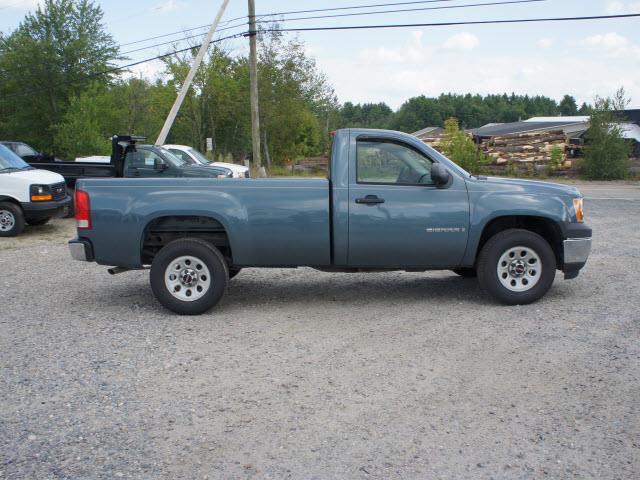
[(465, 272), (11, 219), (233, 272), (212, 260), (38, 222), (499, 245)]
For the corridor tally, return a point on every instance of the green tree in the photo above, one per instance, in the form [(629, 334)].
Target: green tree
[(568, 106), (132, 106), (459, 147), (606, 153), (53, 55)]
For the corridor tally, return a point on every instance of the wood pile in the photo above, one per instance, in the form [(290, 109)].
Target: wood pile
[(525, 148), (434, 141)]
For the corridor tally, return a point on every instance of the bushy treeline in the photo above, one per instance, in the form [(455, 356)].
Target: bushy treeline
[(56, 94), (51, 97), (471, 111)]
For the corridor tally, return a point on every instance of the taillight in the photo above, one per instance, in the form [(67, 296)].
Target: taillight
[(83, 210)]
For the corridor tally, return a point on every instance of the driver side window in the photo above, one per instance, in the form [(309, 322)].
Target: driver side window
[(140, 159), (380, 161)]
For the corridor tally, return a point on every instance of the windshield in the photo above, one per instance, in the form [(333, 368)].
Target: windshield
[(200, 158), (11, 161), (175, 160)]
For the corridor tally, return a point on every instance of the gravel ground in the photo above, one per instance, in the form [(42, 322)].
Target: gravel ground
[(301, 374)]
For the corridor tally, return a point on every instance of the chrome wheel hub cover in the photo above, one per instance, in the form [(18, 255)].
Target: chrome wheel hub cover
[(187, 278), (519, 269), (7, 220)]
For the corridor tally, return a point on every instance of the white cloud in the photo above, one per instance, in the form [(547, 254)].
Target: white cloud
[(608, 40), (613, 45), (462, 41), (150, 70), (169, 6), (545, 42), (617, 7), (418, 67), (19, 5)]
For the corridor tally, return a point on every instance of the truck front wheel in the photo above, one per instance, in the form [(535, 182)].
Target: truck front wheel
[(11, 220), (516, 267), (189, 276)]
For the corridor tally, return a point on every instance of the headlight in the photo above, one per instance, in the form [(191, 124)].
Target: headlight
[(40, 193), (577, 206)]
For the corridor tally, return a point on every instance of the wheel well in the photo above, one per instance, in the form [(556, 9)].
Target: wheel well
[(544, 227), (163, 230), (11, 200)]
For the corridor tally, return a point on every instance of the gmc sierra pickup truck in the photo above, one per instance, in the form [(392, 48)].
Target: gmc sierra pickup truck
[(390, 203)]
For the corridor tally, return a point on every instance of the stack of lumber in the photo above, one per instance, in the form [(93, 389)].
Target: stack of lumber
[(434, 141), (525, 147)]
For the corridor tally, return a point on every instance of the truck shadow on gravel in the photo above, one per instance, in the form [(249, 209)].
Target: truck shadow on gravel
[(257, 290)]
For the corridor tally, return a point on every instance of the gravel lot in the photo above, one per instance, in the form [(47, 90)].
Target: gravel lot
[(301, 374)]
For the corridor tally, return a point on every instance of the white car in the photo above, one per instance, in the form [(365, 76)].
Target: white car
[(28, 195), (193, 156)]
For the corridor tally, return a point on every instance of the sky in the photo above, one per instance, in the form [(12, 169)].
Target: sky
[(583, 59)]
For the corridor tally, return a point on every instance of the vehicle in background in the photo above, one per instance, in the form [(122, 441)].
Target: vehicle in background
[(193, 156), (129, 159), (94, 159), (391, 202), (28, 195), (28, 153)]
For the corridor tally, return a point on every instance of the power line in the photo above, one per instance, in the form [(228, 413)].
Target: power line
[(353, 27), (443, 7), (354, 7), (327, 16), (185, 31), (176, 40), (284, 13), (448, 24)]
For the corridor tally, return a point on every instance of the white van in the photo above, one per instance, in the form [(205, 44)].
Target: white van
[(28, 195), (193, 156)]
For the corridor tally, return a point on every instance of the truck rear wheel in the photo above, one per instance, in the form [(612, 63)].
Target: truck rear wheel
[(516, 267), (189, 276), (11, 220)]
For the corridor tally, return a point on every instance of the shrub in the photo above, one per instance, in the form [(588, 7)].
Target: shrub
[(606, 152), (461, 149)]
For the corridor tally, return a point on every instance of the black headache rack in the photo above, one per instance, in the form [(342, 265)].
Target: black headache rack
[(120, 146)]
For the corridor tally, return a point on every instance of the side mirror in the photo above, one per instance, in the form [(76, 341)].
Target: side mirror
[(440, 175), (159, 165)]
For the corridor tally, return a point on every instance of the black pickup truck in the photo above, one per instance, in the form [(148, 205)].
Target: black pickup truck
[(128, 159)]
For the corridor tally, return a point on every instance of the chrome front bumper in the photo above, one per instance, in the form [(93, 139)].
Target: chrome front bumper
[(576, 250)]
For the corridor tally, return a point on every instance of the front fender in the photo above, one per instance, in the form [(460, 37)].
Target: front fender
[(487, 206)]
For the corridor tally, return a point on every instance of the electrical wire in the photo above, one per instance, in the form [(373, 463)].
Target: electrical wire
[(353, 7), (177, 40), (443, 7), (508, 2), (447, 24), (272, 14)]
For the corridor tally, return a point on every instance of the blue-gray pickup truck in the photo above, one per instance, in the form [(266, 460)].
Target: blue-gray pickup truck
[(390, 203)]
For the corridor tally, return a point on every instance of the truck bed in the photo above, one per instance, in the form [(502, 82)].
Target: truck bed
[(269, 222), (72, 171)]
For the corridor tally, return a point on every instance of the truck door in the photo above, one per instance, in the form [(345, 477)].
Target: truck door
[(141, 163), (397, 216)]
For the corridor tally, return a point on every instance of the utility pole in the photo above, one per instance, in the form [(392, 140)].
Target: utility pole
[(162, 138), (253, 79)]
